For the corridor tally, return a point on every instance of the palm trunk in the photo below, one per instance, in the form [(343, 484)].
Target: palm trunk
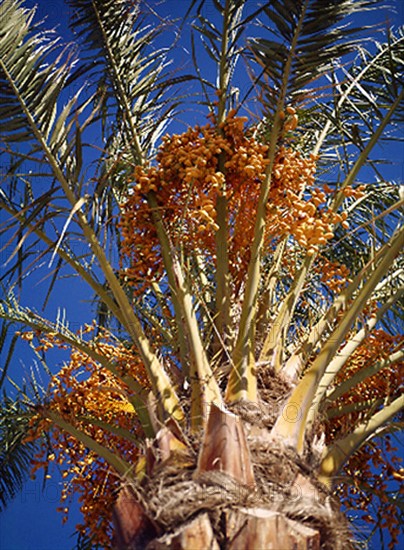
[(253, 528), (236, 488)]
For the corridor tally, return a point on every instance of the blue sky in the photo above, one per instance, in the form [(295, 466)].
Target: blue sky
[(31, 521)]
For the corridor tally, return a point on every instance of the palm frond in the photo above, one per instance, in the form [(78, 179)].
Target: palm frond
[(304, 393), (308, 35), (6, 344), (34, 70), (361, 94), (15, 453), (342, 449), (12, 312), (128, 73)]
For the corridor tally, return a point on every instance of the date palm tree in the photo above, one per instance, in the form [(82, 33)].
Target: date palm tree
[(243, 369)]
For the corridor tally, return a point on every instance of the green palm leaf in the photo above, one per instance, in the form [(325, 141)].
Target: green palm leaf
[(15, 454), (31, 79), (308, 36), (128, 74)]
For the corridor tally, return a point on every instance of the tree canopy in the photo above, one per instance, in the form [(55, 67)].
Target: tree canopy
[(261, 236)]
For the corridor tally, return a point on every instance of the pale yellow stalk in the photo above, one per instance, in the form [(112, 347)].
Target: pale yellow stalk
[(341, 450), (122, 467), (361, 375), (303, 394), (343, 355)]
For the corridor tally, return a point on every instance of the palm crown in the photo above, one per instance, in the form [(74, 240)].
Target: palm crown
[(258, 264)]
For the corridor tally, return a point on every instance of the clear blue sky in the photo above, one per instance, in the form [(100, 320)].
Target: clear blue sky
[(31, 521)]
